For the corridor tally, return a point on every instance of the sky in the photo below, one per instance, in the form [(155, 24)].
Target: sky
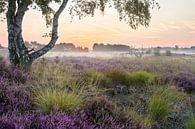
[(173, 24)]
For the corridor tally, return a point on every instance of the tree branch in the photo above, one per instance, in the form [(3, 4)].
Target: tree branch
[(54, 36)]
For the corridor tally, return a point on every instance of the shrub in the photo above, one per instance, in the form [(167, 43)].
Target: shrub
[(168, 53), (149, 51), (157, 52), (1, 58), (96, 78), (185, 81), (117, 76), (47, 100), (104, 114), (140, 78)]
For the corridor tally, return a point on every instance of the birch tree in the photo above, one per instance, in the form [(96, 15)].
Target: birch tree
[(134, 12)]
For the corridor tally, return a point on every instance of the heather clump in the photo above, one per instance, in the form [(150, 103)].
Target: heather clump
[(14, 95), (56, 119), (14, 98), (105, 114), (12, 73), (185, 81)]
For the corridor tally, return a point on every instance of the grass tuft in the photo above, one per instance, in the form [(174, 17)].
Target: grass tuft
[(47, 100), (140, 78)]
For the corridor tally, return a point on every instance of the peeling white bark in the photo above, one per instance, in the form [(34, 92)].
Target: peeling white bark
[(19, 54), (54, 36)]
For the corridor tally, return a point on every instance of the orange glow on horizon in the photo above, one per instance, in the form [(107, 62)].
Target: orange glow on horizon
[(173, 24)]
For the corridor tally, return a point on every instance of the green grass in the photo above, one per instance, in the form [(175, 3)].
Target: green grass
[(97, 78), (159, 108), (47, 100), (52, 75), (162, 102), (190, 124), (139, 117), (140, 78)]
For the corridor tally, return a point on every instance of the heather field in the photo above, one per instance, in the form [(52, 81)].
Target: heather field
[(154, 92)]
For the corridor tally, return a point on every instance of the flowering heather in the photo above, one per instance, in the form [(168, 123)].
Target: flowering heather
[(17, 98), (167, 66), (11, 73), (60, 120), (105, 115), (185, 81), (13, 97), (55, 120)]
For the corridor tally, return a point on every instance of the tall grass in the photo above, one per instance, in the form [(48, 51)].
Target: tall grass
[(190, 124), (159, 108), (47, 100), (52, 75), (162, 102), (97, 78)]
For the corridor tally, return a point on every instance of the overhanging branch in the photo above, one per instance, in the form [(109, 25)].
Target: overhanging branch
[(54, 36)]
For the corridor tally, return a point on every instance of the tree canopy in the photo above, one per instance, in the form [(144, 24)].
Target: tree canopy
[(133, 12)]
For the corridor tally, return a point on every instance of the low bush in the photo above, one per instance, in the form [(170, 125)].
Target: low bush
[(149, 51), (105, 114), (47, 100), (157, 52), (1, 58), (168, 53), (185, 81), (140, 78), (117, 76)]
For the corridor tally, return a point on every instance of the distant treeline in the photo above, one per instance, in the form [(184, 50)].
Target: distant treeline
[(69, 47), (110, 47), (58, 47), (97, 47)]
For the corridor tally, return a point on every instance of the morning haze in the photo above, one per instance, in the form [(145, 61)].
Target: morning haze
[(173, 24), (98, 72)]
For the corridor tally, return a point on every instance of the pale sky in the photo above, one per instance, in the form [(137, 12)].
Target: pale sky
[(173, 24)]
